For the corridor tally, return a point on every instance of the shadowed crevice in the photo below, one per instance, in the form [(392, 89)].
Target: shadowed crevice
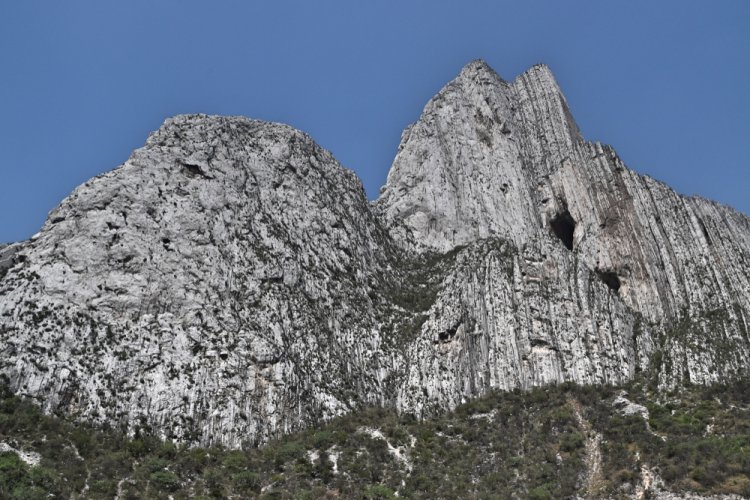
[(563, 225), (610, 279)]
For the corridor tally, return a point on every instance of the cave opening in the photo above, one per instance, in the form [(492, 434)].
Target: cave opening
[(564, 225), (610, 279)]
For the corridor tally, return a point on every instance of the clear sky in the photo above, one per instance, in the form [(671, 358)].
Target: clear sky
[(82, 83)]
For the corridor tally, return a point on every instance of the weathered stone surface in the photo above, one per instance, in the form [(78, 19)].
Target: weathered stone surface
[(8, 256), (215, 287), (230, 282), (509, 317), (490, 158)]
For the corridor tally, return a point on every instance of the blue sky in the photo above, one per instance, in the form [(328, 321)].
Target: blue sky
[(84, 82)]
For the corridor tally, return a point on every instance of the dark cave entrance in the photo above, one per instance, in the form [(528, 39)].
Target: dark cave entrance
[(564, 225), (610, 279)]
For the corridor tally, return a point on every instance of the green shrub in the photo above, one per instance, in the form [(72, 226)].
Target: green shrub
[(571, 441), (214, 479), (14, 473), (103, 488), (193, 460), (165, 480), (292, 451), (540, 493), (29, 492), (235, 461), (323, 439), (247, 481), (378, 492)]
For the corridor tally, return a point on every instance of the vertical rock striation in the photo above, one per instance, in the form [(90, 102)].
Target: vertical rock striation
[(230, 282), (494, 159)]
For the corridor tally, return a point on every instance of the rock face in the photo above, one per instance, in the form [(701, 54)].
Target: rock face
[(491, 159), (8, 256), (230, 282), (216, 287)]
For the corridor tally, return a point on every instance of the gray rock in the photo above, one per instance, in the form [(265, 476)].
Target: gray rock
[(496, 159), (216, 288), (230, 282), (8, 256)]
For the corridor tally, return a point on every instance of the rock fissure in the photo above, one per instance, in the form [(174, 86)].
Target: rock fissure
[(563, 225)]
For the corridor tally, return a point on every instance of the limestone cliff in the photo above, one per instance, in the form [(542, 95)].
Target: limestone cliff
[(492, 159), (230, 282)]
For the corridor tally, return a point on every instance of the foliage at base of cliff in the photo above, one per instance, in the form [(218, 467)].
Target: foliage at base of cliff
[(552, 442)]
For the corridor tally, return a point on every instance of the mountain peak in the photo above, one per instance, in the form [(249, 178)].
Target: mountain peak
[(539, 70), (540, 77), (197, 125), (480, 70), (473, 132), (477, 69)]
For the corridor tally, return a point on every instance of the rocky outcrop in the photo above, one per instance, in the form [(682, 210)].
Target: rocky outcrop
[(217, 287), (230, 282), (509, 317), (495, 159), (8, 256)]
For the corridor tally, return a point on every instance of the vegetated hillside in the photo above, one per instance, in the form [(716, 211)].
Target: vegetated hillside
[(554, 442)]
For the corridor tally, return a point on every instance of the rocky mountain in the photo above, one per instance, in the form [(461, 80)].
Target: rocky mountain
[(230, 282), (216, 287), (605, 270)]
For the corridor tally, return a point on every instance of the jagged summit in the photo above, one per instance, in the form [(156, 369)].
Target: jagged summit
[(172, 126), (230, 282), (478, 71), (468, 146), (540, 72)]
